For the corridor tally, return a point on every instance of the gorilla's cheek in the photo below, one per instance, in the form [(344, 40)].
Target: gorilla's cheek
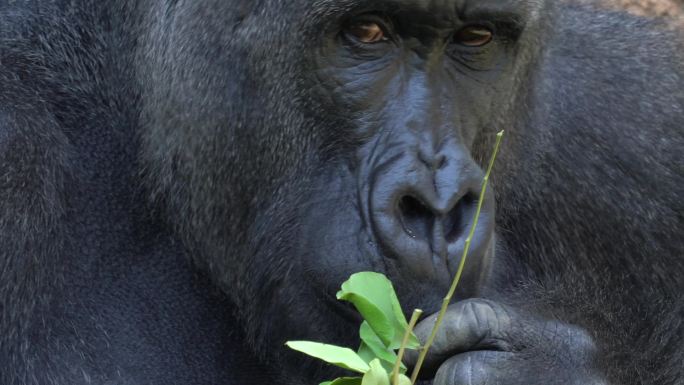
[(334, 238)]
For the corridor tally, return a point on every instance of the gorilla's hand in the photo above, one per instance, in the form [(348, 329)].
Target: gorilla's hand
[(483, 342)]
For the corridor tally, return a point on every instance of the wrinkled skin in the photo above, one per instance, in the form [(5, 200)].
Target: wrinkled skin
[(185, 184), (484, 342)]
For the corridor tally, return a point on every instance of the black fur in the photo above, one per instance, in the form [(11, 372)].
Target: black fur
[(166, 168)]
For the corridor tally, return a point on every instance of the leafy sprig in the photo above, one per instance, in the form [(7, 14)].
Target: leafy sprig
[(383, 331)]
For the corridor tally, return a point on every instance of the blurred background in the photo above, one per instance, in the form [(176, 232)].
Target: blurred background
[(671, 11)]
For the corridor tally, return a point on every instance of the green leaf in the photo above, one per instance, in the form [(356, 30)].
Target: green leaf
[(413, 342), (366, 354), (373, 296), (339, 356), (369, 355), (368, 335), (372, 347), (403, 380), (376, 375), (344, 381), (373, 314)]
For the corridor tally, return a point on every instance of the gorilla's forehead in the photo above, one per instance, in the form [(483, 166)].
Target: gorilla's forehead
[(528, 8)]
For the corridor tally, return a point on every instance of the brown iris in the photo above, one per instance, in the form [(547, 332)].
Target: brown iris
[(366, 32), (474, 36)]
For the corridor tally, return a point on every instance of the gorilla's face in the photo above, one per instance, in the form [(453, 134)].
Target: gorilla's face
[(335, 138), (408, 96)]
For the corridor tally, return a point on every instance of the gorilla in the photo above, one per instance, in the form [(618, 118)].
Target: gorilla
[(185, 184)]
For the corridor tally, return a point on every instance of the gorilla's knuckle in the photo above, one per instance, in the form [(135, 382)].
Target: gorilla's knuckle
[(479, 306), (469, 368), (488, 315)]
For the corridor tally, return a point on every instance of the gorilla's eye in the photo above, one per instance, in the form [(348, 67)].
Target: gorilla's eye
[(474, 36), (367, 32)]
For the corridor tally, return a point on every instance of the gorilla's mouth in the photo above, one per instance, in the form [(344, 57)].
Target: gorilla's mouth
[(471, 285)]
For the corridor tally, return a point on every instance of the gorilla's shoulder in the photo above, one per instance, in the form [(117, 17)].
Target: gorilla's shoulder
[(607, 37), (618, 70)]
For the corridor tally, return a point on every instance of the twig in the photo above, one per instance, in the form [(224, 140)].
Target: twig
[(400, 356), (457, 278)]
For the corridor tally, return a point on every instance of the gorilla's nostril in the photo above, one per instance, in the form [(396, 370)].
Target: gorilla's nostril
[(455, 220), (417, 219)]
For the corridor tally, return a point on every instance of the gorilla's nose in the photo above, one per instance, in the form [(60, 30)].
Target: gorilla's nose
[(432, 224), (422, 212)]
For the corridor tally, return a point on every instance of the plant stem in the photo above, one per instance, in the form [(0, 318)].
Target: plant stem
[(400, 356), (457, 278)]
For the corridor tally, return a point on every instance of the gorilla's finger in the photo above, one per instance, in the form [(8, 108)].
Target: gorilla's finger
[(488, 367), (473, 324), (473, 368)]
